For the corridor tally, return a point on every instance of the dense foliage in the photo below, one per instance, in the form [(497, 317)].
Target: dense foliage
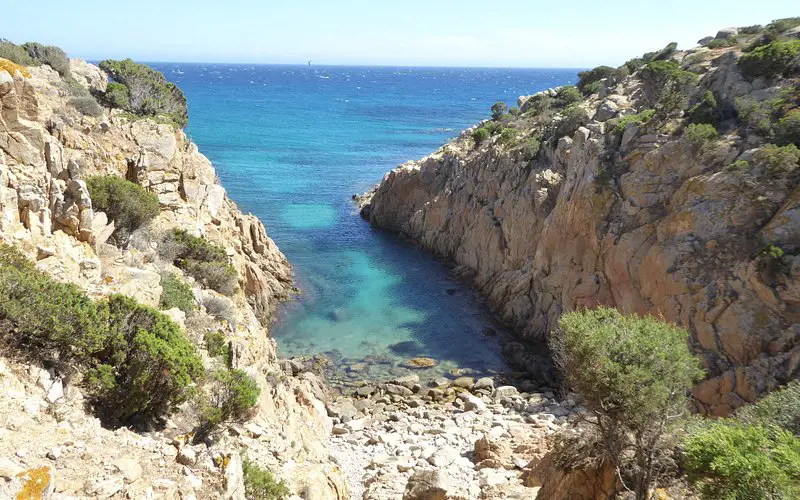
[(778, 58), (779, 408), (635, 374), (50, 55), (499, 110), (176, 293), (139, 364), (144, 91), (204, 261), (216, 344), (667, 86), (129, 205), (620, 124), (587, 80), (260, 484)]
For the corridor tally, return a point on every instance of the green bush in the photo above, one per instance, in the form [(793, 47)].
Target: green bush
[(216, 344), (620, 124), (129, 205), (260, 484), (480, 134), (706, 111), (204, 261), (51, 319), (787, 130), (667, 86), (719, 43), (770, 60), (531, 148), (86, 105), (568, 95), (751, 30), (731, 460), (176, 293), (148, 367), (754, 115), (117, 96), (770, 259), (232, 394), (49, 55), (16, 54), (779, 408), (509, 137), (785, 24), (589, 81), (573, 116), (739, 165), (779, 159), (635, 374), (499, 110), (148, 91), (700, 134)]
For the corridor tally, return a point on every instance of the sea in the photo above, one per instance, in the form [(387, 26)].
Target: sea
[(292, 144)]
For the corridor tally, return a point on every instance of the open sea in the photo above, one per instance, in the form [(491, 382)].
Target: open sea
[(292, 144)]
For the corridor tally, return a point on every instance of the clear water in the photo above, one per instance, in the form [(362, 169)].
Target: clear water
[(292, 144)]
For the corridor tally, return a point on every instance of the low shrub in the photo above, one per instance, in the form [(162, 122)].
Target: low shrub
[(706, 110), (50, 55), (531, 148), (176, 293), (148, 93), (779, 408), (232, 394), (129, 205), (635, 374), (773, 59), (260, 484), (86, 105), (667, 86), (216, 344), (568, 95), (16, 54), (480, 134), (754, 115), (509, 137), (573, 116), (787, 130), (779, 26), (219, 308), (719, 43), (204, 261), (728, 459), (499, 110), (739, 165), (589, 81), (751, 30), (147, 368), (700, 134), (770, 259), (779, 159), (620, 124)]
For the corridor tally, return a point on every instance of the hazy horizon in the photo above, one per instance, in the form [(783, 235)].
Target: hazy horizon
[(416, 33)]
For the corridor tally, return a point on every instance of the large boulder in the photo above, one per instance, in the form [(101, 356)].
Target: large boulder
[(431, 485), (88, 75)]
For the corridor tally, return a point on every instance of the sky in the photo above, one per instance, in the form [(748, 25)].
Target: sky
[(485, 33)]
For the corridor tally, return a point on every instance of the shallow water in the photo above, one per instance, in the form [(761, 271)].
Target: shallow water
[(291, 144)]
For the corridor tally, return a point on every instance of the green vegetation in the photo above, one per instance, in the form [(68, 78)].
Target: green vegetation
[(770, 259), (16, 54), (568, 95), (146, 92), (667, 86), (589, 81), (204, 261), (217, 344), (787, 130), (129, 205), (706, 111), (633, 65), (700, 134), (86, 105), (139, 364), (751, 30), (509, 137), (531, 147), (779, 26), (499, 110), (620, 124), (573, 116), (635, 374), (719, 43), (779, 408), (773, 59), (480, 134), (739, 165), (49, 55), (231, 396), (260, 484), (754, 115), (176, 293), (731, 460), (779, 159)]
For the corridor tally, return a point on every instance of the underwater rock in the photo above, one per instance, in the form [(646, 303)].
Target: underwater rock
[(416, 363)]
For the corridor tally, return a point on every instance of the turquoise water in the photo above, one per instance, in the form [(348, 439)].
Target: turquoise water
[(292, 144)]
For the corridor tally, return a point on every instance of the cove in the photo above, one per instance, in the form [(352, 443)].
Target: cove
[(292, 144)]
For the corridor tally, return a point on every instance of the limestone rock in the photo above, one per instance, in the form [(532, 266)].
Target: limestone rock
[(430, 485)]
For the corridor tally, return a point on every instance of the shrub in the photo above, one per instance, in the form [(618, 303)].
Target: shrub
[(667, 86), (779, 159), (719, 43), (706, 111), (176, 293), (568, 95), (204, 261), (499, 110), (148, 91), (620, 124), (779, 408), (787, 130), (785, 24), (129, 205), (147, 368), (117, 96), (480, 134), (751, 30), (588, 79), (260, 484), (231, 396), (51, 319), (635, 374), (753, 114), (86, 105), (16, 54), (49, 55), (739, 165), (770, 60), (219, 308), (509, 137), (731, 460), (770, 259), (216, 344), (531, 148), (574, 116), (700, 135)]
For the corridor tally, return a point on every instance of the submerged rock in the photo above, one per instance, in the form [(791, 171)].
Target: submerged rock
[(415, 363)]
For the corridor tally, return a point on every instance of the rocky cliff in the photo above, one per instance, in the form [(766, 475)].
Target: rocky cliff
[(616, 199), (47, 150)]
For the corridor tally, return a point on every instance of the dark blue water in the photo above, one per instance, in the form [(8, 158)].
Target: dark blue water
[(291, 144)]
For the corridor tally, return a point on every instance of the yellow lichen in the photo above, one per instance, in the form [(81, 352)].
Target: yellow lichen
[(13, 67), (36, 483)]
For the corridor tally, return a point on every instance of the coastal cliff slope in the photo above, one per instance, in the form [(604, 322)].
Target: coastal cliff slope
[(657, 191), (47, 151)]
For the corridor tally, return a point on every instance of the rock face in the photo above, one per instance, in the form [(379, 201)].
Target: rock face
[(644, 222), (47, 151)]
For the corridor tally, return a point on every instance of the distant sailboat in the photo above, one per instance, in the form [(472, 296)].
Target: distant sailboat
[(309, 63)]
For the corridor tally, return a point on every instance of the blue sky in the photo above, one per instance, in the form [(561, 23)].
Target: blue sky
[(510, 33)]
